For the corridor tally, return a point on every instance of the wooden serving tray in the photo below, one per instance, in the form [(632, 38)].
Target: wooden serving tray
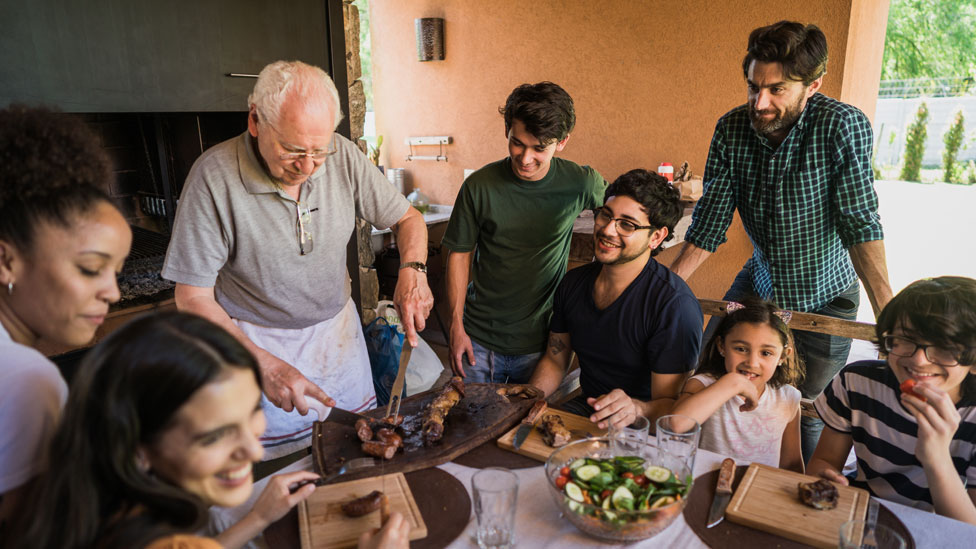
[(323, 525), (535, 448), (480, 416), (767, 499)]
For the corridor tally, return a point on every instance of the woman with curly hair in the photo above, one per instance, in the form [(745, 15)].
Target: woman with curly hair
[(62, 243)]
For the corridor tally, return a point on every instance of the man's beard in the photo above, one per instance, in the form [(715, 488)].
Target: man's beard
[(626, 257), (780, 122)]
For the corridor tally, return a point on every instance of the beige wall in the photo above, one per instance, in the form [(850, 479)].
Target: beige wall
[(649, 79)]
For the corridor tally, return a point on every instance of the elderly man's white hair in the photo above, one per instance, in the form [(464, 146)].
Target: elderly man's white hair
[(280, 79)]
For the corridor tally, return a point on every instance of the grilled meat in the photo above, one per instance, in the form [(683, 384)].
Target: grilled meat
[(819, 495), (436, 412), (554, 432)]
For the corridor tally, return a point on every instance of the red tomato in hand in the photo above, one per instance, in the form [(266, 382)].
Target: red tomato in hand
[(561, 482), (908, 387), (564, 471)]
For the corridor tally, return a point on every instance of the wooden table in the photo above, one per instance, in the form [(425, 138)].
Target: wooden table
[(540, 526)]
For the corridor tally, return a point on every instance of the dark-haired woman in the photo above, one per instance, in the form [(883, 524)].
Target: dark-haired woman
[(62, 243), (163, 421)]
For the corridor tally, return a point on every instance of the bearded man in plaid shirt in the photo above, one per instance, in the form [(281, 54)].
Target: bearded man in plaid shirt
[(796, 164)]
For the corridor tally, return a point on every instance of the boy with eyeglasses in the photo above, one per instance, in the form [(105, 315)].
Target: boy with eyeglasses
[(509, 238), (634, 324), (912, 418)]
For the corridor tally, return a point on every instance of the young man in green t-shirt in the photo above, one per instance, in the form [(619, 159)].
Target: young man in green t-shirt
[(509, 239)]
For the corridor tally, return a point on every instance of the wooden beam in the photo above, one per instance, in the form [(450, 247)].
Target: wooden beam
[(806, 321)]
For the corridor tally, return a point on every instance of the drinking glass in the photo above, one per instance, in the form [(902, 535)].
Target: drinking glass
[(495, 492), (679, 436), (630, 440), (855, 534)]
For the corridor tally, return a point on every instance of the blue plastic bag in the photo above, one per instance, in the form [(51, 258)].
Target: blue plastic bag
[(383, 343)]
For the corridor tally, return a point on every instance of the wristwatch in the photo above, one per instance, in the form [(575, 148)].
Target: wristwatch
[(415, 265)]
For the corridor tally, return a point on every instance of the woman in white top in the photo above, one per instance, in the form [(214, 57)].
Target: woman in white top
[(62, 243), (743, 394)]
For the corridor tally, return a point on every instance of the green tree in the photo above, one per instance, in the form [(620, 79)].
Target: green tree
[(930, 38), (365, 52), (915, 145), (952, 171)]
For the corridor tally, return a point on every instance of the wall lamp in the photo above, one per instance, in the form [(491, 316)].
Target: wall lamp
[(430, 38)]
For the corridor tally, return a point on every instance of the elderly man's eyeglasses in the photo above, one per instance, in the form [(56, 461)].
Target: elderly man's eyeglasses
[(293, 155), (304, 236), (602, 217), (899, 346), (316, 156)]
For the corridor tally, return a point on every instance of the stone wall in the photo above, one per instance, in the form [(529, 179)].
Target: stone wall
[(368, 282)]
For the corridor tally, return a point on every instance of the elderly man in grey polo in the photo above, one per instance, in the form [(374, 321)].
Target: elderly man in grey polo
[(259, 247)]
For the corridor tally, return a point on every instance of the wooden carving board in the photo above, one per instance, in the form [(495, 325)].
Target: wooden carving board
[(535, 448), (767, 499), (323, 525), (477, 418)]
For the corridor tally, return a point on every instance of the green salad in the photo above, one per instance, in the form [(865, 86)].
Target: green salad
[(618, 484)]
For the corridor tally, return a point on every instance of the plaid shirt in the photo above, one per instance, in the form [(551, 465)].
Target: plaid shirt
[(802, 203)]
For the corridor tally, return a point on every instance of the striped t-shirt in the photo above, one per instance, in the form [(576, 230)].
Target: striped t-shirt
[(863, 401)]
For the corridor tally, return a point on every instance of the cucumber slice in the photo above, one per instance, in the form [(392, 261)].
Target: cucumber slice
[(606, 503), (657, 474), (620, 495), (574, 492), (661, 502), (610, 515), (573, 506), (587, 472), (577, 464)]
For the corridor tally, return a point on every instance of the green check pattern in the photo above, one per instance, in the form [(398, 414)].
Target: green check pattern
[(802, 203)]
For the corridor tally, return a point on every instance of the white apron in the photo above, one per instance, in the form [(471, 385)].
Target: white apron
[(331, 354)]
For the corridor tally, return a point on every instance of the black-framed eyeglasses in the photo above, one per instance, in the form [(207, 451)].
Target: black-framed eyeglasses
[(900, 346), (624, 227), (304, 236)]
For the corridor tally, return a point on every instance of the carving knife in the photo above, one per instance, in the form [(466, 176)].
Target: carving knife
[(526, 427), (397, 391), (723, 492)]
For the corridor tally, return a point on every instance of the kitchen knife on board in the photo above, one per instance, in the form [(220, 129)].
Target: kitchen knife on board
[(723, 492), (526, 427)]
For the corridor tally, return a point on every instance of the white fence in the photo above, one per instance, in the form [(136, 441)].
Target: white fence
[(895, 114)]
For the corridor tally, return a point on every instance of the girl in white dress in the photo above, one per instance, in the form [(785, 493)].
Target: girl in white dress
[(743, 393)]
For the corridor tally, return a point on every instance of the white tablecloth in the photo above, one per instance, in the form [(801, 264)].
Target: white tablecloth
[(538, 524)]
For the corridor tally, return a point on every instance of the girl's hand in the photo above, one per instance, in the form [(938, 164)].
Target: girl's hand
[(937, 419), (746, 390), (394, 534), (276, 499)]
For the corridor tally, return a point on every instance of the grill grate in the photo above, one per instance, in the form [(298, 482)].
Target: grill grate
[(147, 244)]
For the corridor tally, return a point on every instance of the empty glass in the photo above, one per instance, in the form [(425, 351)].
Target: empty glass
[(854, 534), (679, 435), (630, 440), (495, 491)]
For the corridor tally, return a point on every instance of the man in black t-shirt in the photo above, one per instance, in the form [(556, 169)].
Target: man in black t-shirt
[(635, 325)]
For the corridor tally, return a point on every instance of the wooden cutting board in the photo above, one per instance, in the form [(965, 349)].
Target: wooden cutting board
[(480, 416), (323, 525), (535, 448), (767, 499)]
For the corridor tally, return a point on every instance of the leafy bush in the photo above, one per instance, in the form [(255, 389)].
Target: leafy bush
[(952, 170), (972, 173), (915, 145)]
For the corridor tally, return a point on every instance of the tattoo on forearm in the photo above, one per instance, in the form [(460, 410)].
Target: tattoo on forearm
[(556, 346)]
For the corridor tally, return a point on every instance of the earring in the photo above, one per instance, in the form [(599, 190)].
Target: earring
[(10, 288)]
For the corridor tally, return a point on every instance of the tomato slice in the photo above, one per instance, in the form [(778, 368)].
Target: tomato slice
[(908, 387), (561, 482)]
